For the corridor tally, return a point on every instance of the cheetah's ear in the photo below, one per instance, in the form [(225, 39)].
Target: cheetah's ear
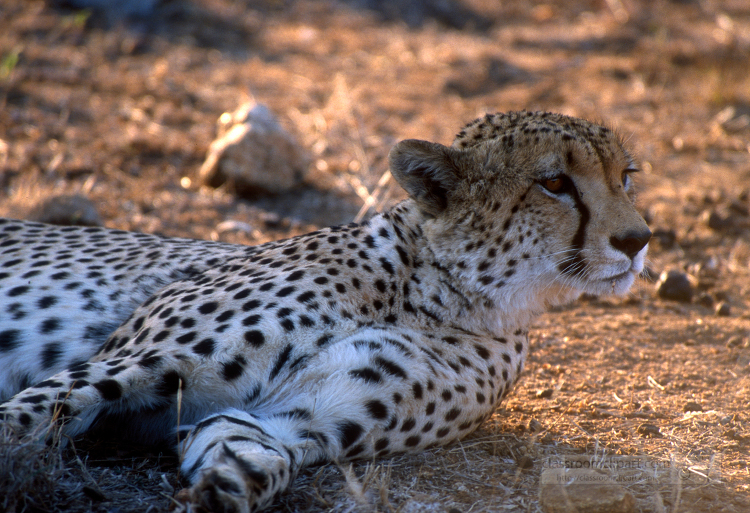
[(427, 171)]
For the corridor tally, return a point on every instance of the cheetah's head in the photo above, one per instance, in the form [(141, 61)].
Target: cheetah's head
[(529, 209)]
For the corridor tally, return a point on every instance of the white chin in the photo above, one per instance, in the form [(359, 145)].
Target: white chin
[(615, 287)]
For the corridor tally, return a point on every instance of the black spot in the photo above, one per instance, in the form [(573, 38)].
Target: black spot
[(306, 296), (403, 255), (387, 266), (207, 308), (48, 383), (519, 347), (285, 291), (169, 384), (446, 395), (412, 441), (161, 335), (483, 353), (49, 325), (34, 399), (205, 347), (186, 338), (376, 409), (150, 361), (46, 302), (251, 320), (242, 294), (430, 408), (233, 370), (296, 275), (408, 425), (251, 305), (452, 414), (114, 371), (325, 339), (51, 355), (416, 389), (367, 374), (255, 338), (440, 433), (110, 389), (225, 316), (390, 367), (381, 444), (480, 398), (450, 340), (17, 291), (287, 324), (349, 432), (281, 361)]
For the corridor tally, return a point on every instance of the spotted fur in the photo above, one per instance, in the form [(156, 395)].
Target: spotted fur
[(363, 340)]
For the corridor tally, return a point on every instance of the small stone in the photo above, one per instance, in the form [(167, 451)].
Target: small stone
[(545, 394), (649, 430), (705, 299), (525, 462), (534, 426), (253, 154), (66, 210), (738, 342), (665, 237), (692, 406), (675, 285), (723, 309)]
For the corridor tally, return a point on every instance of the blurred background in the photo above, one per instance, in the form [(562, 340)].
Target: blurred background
[(252, 120), (118, 100)]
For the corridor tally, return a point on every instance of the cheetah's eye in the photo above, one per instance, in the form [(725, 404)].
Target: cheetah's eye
[(626, 179), (557, 184)]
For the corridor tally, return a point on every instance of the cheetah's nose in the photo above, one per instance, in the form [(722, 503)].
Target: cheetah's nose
[(631, 242)]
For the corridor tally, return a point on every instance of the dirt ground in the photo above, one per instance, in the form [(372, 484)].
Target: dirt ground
[(123, 114)]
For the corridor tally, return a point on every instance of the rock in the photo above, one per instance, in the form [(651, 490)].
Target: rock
[(664, 237), (545, 394), (231, 226), (738, 342), (586, 493), (649, 431), (692, 406), (723, 309), (675, 286), (731, 219), (66, 210), (525, 462), (705, 299), (534, 426), (253, 154)]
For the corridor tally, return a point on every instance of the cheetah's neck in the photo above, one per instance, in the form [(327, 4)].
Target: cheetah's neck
[(432, 285)]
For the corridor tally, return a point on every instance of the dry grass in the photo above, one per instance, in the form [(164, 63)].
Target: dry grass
[(111, 112)]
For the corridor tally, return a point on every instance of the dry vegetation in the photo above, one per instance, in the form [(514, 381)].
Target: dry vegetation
[(124, 113)]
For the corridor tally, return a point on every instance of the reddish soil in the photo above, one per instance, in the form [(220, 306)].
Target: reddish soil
[(123, 114)]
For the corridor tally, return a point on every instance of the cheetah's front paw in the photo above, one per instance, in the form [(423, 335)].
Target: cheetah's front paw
[(220, 490)]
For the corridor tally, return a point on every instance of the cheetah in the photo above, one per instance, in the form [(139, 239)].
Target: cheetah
[(400, 333)]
